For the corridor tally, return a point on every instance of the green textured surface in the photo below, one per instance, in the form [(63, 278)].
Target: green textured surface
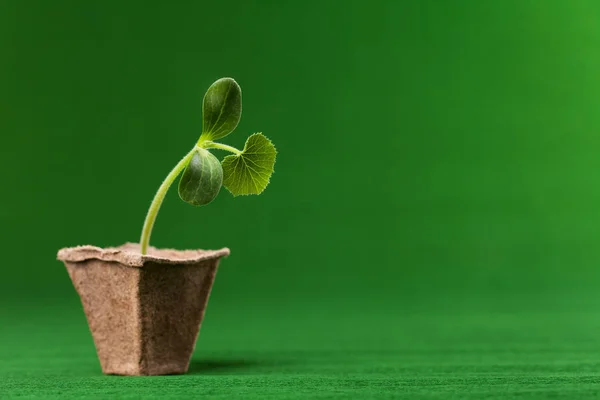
[(297, 353), (431, 228)]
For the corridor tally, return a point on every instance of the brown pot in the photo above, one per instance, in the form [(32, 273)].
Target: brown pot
[(144, 311)]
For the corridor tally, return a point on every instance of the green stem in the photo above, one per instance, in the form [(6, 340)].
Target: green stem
[(220, 146), (158, 199)]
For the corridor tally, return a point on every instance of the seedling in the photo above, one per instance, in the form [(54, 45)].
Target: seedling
[(244, 172), (143, 311)]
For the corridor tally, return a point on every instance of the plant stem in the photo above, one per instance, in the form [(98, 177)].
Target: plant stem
[(220, 146), (158, 199)]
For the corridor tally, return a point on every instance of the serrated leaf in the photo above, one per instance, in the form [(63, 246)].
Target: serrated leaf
[(221, 109), (250, 171), (202, 179)]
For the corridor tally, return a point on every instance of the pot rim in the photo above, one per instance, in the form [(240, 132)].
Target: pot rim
[(129, 255)]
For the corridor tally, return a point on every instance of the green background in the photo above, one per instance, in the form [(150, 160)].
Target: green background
[(431, 230)]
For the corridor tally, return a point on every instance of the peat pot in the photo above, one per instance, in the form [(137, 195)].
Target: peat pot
[(144, 311)]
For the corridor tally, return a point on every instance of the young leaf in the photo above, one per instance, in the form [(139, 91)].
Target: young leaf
[(249, 172), (202, 179), (221, 109)]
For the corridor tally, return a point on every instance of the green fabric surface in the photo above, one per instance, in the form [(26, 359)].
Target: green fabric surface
[(294, 353)]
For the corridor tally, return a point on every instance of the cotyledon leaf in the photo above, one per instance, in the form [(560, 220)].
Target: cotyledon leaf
[(250, 171), (202, 179), (221, 109)]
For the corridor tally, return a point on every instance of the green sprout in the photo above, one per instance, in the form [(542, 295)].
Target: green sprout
[(244, 172)]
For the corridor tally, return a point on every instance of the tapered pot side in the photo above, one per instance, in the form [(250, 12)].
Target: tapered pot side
[(144, 311)]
